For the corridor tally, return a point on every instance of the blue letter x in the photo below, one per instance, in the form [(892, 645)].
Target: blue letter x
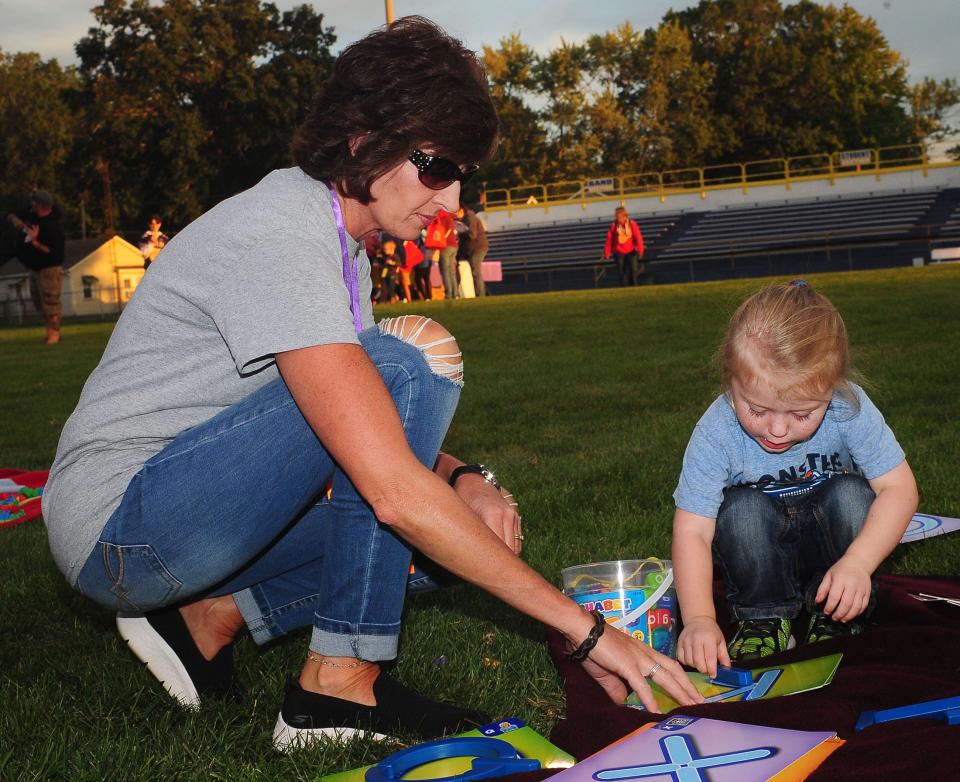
[(683, 764), (750, 692)]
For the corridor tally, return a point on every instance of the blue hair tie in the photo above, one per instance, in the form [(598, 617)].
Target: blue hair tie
[(800, 284)]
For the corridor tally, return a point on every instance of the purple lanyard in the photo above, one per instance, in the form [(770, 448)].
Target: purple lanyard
[(351, 276)]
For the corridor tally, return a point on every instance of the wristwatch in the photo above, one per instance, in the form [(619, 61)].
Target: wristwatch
[(477, 469)]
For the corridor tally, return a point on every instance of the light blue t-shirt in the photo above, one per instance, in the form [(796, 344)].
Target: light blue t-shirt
[(721, 454)]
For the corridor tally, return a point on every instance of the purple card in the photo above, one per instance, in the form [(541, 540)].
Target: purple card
[(697, 749)]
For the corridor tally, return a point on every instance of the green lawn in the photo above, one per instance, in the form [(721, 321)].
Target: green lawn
[(581, 401)]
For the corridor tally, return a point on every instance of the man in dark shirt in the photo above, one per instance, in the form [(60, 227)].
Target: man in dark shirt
[(40, 249)]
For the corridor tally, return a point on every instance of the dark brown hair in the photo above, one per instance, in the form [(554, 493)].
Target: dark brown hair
[(405, 86)]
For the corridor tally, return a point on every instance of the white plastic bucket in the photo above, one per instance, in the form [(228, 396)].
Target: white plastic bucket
[(636, 596)]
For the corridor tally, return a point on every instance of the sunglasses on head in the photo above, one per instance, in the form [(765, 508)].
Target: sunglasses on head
[(437, 172)]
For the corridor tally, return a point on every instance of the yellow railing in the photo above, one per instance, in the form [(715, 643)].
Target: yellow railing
[(663, 184)]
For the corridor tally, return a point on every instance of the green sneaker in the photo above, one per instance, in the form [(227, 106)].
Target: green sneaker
[(823, 628), (760, 638)]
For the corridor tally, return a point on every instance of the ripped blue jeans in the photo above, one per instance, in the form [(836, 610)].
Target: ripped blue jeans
[(238, 505)]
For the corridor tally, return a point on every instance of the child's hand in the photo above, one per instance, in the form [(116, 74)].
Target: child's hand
[(846, 590), (702, 645)]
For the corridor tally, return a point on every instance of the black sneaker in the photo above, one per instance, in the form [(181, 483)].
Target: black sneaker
[(162, 641), (307, 717), (757, 638), (823, 628)]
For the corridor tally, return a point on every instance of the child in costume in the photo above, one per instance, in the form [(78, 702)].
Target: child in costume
[(791, 481)]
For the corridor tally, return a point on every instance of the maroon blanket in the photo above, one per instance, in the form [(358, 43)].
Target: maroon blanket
[(910, 654)]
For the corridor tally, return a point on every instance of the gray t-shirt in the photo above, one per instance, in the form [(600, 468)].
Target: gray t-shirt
[(721, 454), (259, 274)]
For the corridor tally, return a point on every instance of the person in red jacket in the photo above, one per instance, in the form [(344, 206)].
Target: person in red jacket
[(435, 241), (625, 241), (448, 256), (412, 258)]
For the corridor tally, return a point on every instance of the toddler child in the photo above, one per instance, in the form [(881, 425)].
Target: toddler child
[(791, 481)]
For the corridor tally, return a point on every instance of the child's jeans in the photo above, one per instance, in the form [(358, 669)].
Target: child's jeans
[(773, 553)]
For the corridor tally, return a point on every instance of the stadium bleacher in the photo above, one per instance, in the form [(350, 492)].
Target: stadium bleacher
[(951, 224), (791, 237), (565, 248), (790, 224)]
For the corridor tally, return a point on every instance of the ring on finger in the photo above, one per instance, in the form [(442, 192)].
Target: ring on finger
[(654, 671), (519, 537)]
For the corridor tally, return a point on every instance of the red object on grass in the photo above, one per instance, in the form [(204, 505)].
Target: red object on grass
[(34, 479)]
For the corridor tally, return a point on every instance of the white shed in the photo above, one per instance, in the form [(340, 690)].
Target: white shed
[(104, 280), (99, 278)]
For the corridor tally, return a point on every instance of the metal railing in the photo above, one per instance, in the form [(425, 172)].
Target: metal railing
[(828, 166)]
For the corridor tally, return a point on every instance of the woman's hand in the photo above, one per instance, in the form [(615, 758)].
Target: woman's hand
[(702, 645), (619, 658), (496, 508)]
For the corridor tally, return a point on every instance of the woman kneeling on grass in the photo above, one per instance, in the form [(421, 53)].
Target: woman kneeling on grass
[(246, 374)]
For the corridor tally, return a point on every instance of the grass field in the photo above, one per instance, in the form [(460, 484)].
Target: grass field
[(582, 401)]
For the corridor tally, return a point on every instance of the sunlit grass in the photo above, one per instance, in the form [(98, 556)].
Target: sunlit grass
[(582, 401)]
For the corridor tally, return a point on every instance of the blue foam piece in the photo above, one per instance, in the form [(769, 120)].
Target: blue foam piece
[(945, 709), (492, 758), (732, 677)]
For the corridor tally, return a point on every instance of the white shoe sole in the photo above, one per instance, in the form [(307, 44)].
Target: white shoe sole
[(286, 737), (150, 648)]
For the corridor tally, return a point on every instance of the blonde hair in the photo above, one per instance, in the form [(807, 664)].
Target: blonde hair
[(793, 332)]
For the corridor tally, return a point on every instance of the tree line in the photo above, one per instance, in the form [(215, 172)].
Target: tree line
[(725, 81), (176, 105), (172, 107)]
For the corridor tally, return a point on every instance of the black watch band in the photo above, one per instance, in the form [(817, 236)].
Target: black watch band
[(476, 469)]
